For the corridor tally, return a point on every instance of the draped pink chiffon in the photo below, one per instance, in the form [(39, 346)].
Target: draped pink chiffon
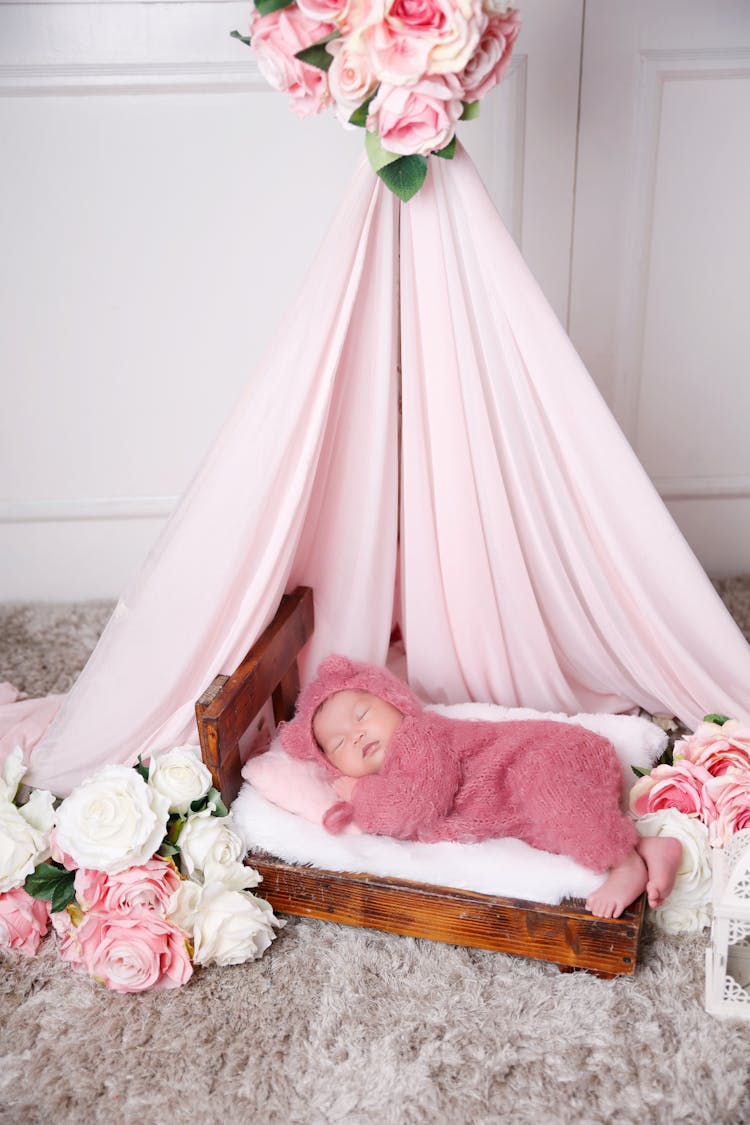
[(537, 565)]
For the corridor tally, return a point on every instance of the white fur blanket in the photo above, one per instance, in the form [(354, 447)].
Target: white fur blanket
[(508, 868)]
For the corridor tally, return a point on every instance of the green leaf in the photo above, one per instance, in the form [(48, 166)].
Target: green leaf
[(718, 719), (265, 7), (141, 769), (315, 56), (167, 850), (471, 110), (215, 803), (50, 882), (376, 154), (175, 825), (62, 896), (242, 38), (405, 176), (359, 117), (449, 151), (639, 772)]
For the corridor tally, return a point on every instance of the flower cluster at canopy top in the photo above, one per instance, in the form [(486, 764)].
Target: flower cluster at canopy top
[(101, 867), (405, 70), (701, 796)]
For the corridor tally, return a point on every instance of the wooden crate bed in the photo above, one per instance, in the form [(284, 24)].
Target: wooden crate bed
[(228, 716)]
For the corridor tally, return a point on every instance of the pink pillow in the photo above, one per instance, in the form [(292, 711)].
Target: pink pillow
[(298, 786)]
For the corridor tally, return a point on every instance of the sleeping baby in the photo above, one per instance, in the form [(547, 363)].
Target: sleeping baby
[(409, 773)]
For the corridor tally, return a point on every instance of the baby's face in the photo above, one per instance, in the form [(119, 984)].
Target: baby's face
[(353, 729)]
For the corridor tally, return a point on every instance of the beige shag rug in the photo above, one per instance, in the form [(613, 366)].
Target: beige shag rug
[(342, 1025)]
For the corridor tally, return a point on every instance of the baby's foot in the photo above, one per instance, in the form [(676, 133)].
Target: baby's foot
[(662, 856), (624, 883)]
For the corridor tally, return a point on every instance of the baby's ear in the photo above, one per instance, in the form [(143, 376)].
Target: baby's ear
[(337, 668)]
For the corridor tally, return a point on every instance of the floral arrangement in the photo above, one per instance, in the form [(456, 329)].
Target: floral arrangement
[(699, 792), (407, 71), (102, 868)]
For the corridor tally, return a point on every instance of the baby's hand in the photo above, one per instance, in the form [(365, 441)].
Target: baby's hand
[(344, 786)]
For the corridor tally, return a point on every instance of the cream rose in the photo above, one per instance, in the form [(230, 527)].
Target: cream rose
[(14, 768), (24, 839), (207, 839), (112, 820), (180, 776), (231, 927), (688, 908), (350, 77)]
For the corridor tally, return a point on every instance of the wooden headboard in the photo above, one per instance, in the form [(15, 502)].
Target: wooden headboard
[(231, 704)]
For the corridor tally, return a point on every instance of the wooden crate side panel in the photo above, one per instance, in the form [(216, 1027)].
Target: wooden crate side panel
[(566, 935)]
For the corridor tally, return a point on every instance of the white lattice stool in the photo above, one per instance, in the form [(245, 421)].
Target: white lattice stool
[(728, 955)]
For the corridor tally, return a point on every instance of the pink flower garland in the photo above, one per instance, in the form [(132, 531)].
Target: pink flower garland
[(425, 62)]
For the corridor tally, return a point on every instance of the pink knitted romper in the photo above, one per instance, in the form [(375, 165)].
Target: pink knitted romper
[(555, 785)]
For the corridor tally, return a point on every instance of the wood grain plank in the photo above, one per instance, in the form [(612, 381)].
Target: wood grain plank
[(566, 934)]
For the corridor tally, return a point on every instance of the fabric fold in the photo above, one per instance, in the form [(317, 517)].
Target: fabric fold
[(544, 571), (300, 487)]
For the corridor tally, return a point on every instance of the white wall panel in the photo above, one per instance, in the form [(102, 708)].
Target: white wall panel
[(165, 206), (662, 242)]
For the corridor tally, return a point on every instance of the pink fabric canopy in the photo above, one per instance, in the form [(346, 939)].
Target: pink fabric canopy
[(537, 565)]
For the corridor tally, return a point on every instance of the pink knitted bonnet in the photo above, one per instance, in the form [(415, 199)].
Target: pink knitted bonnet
[(338, 673)]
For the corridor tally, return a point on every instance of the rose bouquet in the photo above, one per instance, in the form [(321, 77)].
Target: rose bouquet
[(407, 71), (139, 872), (700, 793)]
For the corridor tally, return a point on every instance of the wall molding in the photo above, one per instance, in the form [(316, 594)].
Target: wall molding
[(85, 509), (703, 488), (57, 79), (98, 3), (656, 70)]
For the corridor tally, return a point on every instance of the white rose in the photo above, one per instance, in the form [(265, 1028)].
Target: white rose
[(208, 839), (676, 917), (181, 776), (14, 768), (233, 876), (688, 908), (112, 820), (183, 905), (231, 927), (22, 845), (39, 810)]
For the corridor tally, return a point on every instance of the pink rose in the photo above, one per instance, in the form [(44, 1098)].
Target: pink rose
[(346, 15), (23, 921), (416, 119), (129, 952), (681, 786), (350, 78), (731, 796), (424, 37), (148, 886), (717, 748), (489, 63), (276, 38)]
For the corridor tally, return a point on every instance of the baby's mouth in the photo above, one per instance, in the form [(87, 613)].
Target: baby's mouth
[(369, 749)]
